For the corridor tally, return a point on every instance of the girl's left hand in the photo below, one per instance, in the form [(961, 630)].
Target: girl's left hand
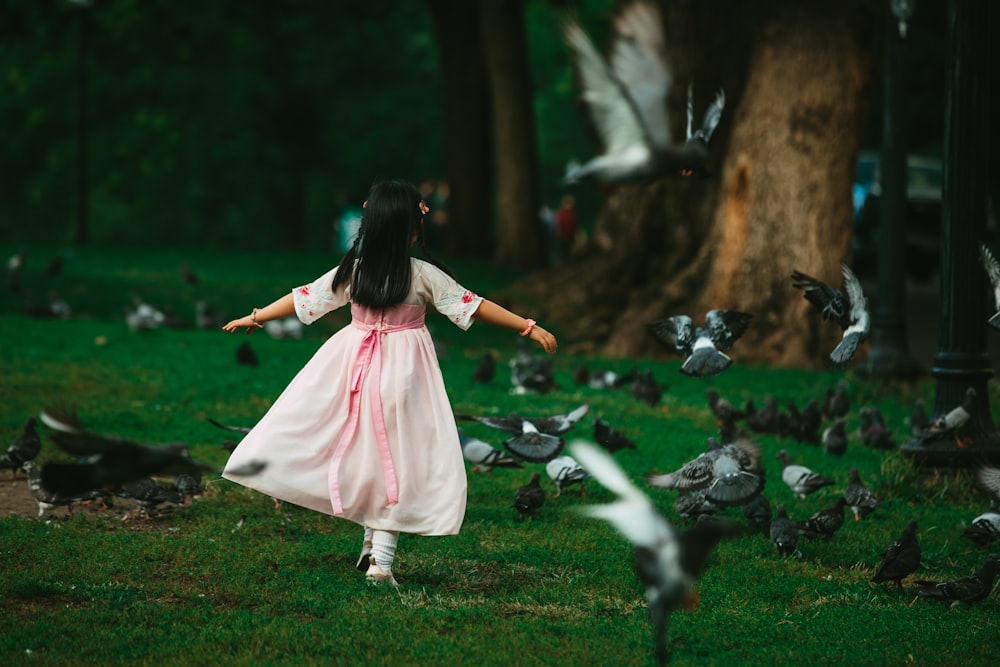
[(544, 338)]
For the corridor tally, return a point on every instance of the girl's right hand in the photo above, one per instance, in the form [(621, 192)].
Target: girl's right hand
[(245, 322)]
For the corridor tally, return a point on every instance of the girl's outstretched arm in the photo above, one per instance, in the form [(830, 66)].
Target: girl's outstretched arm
[(283, 307), (491, 313)]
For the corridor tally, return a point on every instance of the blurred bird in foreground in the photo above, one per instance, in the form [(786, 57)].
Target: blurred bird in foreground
[(514, 423), (992, 267), (667, 562), (485, 370), (645, 388), (245, 356), (627, 99), (112, 461)]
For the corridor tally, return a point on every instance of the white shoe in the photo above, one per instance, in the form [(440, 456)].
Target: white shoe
[(377, 575)]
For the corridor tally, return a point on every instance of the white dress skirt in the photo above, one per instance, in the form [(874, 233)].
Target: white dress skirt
[(365, 431)]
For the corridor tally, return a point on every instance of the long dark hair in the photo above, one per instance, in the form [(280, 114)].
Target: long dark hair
[(380, 255)]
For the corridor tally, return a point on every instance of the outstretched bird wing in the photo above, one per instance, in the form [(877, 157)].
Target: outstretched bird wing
[(726, 326), (676, 332)]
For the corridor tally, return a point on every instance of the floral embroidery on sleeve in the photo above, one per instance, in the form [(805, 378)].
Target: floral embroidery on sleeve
[(459, 305), (316, 299)]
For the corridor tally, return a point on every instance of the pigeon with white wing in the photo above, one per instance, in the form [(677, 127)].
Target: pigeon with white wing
[(992, 267), (627, 95), (849, 309), (667, 561)]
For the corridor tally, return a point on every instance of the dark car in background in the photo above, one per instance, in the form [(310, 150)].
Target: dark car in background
[(922, 225)]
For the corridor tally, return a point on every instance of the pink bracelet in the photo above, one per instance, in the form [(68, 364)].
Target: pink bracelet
[(527, 329)]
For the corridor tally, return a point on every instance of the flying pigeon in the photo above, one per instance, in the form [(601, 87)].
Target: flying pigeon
[(484, 456), (485, 370), (984, 529), (703, 348), (112, 461), (514, 423), (849, 309), (969, 589), (824, 523), (784, 532), (25, 447), (730, 474), (988, 479), (564, 471), (955, 419), (668, 562), (46, 499), (533, 445), (834, 438), (859, 497), (530, 497), (646, 389), (611, 438), (993, 271), (901, 558), (800, 479), (627, 100)]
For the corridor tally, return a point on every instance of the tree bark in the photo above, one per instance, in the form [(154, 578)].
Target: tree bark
[(520, 240), (779, 199), (466, 117)]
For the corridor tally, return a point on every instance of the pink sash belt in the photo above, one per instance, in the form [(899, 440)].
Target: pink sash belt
[(368, 362)]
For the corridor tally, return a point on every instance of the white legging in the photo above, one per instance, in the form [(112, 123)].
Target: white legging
[(382, 544)]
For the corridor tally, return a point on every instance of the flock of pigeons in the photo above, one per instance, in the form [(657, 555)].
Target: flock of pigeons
[(730, 474)]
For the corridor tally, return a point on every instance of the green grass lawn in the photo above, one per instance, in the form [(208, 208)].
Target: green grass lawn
[(194, 588)]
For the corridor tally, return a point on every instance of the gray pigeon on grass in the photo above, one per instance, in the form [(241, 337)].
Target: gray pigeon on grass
[(25, 447)]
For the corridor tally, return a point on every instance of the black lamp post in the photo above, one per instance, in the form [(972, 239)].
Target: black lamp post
[(890, 356), (962, 361)]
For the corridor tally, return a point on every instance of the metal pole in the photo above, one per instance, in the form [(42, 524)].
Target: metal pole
[(890, 356), (962, 360)]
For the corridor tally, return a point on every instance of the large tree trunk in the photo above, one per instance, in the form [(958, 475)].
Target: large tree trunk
[(466, 117), (779, 198), (520, 238)]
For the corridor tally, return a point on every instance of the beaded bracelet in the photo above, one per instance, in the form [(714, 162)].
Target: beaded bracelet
[(527, 329)]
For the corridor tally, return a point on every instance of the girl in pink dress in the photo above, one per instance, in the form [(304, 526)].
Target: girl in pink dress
[(365, 431)]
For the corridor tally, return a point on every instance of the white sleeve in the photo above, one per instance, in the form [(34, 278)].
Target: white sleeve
[(448, 297), (316, 299)]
